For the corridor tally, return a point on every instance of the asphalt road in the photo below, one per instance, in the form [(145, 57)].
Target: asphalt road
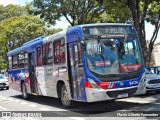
[(11, 100)]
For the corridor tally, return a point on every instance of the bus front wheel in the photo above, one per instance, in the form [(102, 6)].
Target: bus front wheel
[(66, 102)]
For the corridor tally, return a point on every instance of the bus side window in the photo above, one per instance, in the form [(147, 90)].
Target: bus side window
[(39, 56), (47, 54), (14, 61), (59, 51), (25, 59), (21, 60)]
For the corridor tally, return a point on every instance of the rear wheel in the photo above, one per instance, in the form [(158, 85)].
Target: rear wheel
[(24, 91), (66, 102)]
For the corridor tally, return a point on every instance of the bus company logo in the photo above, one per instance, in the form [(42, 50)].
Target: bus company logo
[(122, 84), (6, 114), (133, 82)]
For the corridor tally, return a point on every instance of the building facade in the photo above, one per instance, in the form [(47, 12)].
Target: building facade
[(156, 54)]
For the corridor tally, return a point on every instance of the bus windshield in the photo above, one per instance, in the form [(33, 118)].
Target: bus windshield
[(113, 55)]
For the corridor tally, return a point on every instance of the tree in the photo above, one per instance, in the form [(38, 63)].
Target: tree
[(75, 11), (143, 10), (52, 31), (11, 11), (15, 31), (137, 11), (153, 17), (17, 26), (116, 11)]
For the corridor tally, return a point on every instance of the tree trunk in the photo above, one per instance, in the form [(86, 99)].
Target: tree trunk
[(139, 25), (144, 49)]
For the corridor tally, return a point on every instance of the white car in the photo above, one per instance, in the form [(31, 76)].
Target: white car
[(152, 81), (4, 82)]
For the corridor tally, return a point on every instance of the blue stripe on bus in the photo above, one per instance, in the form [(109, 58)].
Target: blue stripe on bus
[(29, 46), (72, 34), (16, 74)]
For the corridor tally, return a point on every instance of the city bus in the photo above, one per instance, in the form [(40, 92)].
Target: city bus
[(87, 63)]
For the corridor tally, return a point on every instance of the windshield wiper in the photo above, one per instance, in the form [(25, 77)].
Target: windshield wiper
[(102, 56), (101, 50)]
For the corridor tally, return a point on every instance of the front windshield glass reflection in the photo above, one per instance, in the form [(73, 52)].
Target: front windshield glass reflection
[(113, 56)]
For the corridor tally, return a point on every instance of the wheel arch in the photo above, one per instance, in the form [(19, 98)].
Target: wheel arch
[(59, 85), (22, 81)]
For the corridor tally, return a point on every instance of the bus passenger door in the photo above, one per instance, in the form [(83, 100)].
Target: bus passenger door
[(33, 81), (74, 59)]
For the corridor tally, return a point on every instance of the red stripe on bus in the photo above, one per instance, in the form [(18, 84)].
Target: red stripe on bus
[(103, 85), (88, 85)]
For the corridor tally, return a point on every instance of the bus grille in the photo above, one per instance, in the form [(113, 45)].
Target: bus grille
[(114, 94), (154, 81)]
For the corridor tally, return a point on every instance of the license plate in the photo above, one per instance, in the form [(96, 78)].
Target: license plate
[(122, 95)]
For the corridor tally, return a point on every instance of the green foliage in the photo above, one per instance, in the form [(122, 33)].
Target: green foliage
[(153, 12), (75, 11), (116, 11), (146, 10), (52, 31), (17, 26), (11, 11), (3, 64), (17, 30)]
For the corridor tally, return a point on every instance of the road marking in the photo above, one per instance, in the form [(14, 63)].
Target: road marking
[(24, 103), (3, 108), (10, 99), (135, 101), (77, 118), (138, 100), (16, 100), (30, 118), (33, 105), (3, 97), (45, 109)]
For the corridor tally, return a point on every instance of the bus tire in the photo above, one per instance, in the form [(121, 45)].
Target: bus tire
[(24, 91), (66, 102)]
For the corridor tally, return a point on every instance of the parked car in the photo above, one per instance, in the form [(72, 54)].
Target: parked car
[(152, 81), (4, 82)]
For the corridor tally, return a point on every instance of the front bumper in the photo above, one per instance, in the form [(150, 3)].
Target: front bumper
[(4, 85), (150, 87), (94, 95)]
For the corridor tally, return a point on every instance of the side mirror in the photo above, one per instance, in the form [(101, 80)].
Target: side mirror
[(83, 46)]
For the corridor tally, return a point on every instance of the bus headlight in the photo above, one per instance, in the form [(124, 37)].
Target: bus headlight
[(93, 83), (143, 79)]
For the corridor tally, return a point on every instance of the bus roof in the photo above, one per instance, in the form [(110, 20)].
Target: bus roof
[(28, 45), (110, 24), (73, 29)]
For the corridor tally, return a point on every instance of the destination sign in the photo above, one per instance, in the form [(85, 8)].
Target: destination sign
[(99, 30)]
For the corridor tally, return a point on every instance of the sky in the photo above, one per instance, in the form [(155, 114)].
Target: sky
[(64, 24)]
